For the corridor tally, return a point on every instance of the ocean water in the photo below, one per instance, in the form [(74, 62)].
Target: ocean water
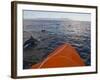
[(57, 32)]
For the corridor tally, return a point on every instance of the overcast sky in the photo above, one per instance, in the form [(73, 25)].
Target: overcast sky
[(28, 14)]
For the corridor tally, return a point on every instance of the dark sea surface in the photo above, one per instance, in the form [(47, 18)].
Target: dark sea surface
[(52, 33)]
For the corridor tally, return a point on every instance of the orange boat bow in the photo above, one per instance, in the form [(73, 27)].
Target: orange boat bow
[(64, 56)]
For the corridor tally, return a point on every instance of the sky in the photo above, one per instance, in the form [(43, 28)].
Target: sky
[(31, 14)]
